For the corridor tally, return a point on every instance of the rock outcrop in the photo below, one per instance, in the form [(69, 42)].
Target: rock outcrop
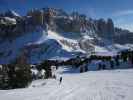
[(13, 25)]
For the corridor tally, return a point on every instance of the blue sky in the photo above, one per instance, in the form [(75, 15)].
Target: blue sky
[(121, 11)]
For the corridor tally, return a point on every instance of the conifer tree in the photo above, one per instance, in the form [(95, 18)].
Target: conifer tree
[(22, 72), (16, 75)]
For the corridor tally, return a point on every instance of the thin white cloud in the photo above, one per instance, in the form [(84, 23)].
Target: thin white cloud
[(125, 26), (123, 19), (128, 27), (123, 13)]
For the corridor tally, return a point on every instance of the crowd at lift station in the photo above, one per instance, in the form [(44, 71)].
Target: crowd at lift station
[(102, 61), (113, 61)]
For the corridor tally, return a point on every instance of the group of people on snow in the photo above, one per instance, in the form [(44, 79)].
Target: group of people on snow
[(105, 62), (38, 73)]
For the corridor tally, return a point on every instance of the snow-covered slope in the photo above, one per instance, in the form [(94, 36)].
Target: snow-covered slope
[(42, 44), (39, 45), (93, 85), (12, 14), (51, 33)]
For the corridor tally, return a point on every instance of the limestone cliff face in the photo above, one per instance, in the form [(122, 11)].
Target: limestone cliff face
[(13, 25), (47, 33), (105, 28)]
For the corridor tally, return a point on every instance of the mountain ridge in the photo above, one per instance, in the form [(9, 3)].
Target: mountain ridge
[(51, 33)]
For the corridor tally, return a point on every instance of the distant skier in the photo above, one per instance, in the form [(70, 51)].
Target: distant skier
[(100, 65), (111, 64), (117, 60), (60, 80)]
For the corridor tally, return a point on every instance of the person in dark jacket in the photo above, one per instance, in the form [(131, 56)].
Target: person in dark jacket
[(99, 66), (117, 60), (60, 80), (111, 64)]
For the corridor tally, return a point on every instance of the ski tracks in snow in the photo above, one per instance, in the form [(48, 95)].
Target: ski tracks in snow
[(96, 85)]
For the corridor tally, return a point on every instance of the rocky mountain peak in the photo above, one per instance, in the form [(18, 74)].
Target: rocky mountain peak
[(11, 13)]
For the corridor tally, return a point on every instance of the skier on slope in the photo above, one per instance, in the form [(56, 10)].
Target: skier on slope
[(60, 80)]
